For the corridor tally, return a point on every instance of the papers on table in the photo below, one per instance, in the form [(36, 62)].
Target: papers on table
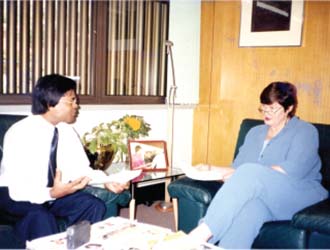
[(120, 177), (118, 233), (205, 172)]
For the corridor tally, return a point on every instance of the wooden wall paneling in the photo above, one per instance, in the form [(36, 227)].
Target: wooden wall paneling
[(233, 77), (201, 114)]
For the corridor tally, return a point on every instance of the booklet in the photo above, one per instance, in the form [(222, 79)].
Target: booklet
[(204, 172), (120, 177)]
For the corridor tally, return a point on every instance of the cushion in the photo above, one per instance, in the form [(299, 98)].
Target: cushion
[(314, 218), (280, 235), (6, 122)]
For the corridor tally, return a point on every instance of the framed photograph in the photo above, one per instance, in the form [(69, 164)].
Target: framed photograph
[(148, 155), (271, 23)]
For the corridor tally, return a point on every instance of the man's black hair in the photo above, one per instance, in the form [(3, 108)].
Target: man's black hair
[(48, 91)]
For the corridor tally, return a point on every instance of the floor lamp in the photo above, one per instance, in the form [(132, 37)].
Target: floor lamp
[(171, 99), (166, 205)]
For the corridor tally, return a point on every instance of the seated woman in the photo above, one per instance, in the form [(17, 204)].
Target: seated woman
[(275, 174)]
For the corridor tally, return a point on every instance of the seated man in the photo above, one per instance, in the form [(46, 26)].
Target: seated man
[(44, 166)]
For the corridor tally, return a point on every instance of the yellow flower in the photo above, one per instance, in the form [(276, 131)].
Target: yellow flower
[(134, 123)]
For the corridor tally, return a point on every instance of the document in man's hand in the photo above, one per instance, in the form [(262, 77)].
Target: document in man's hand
[(120, 177), (204, 172)]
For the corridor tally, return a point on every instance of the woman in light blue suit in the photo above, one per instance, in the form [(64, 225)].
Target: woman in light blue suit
[(275, 174)]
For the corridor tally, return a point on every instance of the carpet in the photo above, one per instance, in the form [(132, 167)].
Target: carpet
[(150, 215)]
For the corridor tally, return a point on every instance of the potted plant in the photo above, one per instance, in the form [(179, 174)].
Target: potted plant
[(108, 141)]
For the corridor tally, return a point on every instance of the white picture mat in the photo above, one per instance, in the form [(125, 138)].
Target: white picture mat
[(271, 38)]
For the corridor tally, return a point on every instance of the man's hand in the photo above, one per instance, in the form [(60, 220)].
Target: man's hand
[(62, 189), (116, 187)]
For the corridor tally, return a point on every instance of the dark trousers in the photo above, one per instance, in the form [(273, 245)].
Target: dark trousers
[(39, 220)]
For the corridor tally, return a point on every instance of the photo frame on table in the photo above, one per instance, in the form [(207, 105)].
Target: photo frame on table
[(271, 23), (148, 155)]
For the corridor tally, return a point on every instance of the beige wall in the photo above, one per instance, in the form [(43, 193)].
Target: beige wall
[(231, 78)]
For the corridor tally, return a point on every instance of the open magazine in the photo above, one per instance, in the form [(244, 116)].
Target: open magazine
[(121, 177), (204, 172)]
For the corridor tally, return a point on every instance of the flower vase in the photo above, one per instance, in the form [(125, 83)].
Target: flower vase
[(103, 158)]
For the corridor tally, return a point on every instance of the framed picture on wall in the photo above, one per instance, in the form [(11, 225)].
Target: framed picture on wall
[(271, 23), (148, 155)]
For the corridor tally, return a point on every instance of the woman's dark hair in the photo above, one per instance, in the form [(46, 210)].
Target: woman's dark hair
[(284, 93), (48, 91)]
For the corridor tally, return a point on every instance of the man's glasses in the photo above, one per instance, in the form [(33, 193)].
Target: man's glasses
[(70, 102), (271, 111)]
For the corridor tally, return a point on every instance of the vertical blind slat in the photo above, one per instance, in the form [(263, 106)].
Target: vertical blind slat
[(130, 48), (139, 48), (37, 40), (19, 47), (72, 34), (163, 34), (147, 45), (121, 46), (49, 36), (111, 79), (25, 46), (12, 37), (154, 49), (60, 62), (83, 41), (2, 78)]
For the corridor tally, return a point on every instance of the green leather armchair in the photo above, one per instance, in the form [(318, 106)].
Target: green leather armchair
[(7, 237), (309, 228)]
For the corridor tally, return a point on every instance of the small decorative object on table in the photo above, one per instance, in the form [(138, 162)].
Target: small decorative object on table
[(107, 142), (78, 234)]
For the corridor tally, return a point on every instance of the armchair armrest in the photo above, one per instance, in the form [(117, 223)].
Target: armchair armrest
[(314, 218), (194, 190), (111, 200), (193, 199)]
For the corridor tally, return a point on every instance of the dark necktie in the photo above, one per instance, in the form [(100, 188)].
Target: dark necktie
[(52, 159)]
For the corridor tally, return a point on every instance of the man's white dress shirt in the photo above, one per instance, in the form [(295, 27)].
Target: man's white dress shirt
[(26, 150)]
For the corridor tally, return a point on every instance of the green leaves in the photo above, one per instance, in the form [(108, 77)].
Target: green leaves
[(116, 134)]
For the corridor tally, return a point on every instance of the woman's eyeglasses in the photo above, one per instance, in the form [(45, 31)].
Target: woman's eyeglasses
[(271, 111)]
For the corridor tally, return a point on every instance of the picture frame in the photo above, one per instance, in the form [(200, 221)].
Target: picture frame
[(148, 155), (271, 23)]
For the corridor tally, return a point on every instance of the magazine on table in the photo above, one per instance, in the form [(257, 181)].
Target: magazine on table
[(204, 172)]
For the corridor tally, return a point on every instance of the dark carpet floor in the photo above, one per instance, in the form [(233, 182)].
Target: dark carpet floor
[(149, 214)]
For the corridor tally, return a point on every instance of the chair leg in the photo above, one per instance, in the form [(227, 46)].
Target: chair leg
[(175, 212), (132, 209)]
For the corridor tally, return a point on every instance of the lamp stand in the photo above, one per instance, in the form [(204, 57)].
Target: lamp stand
[(166, 205)]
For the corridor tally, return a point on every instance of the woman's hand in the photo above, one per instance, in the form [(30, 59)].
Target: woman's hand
[(61, 189), (279, 169), (116, 187), (227, 175)]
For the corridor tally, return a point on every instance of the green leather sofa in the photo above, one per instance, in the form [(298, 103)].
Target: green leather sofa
[(309, 228), (7, 238)]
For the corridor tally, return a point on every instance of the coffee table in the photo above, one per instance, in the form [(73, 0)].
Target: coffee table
[(152, 178), (118, 233), (148, 179)]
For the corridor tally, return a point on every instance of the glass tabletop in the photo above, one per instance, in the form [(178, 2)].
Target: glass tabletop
[(145, 176)]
